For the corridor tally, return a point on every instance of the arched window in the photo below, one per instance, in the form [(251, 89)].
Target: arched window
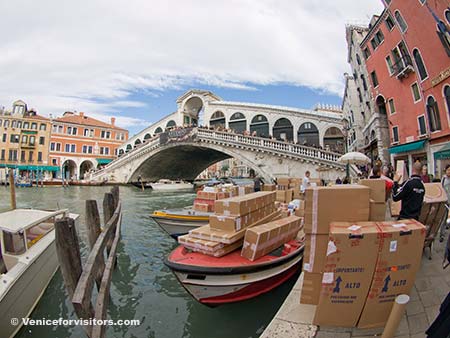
[(420, 65), (238, 123), (260, 125), (171, 124), (129, 147), (401, 22), (334, 140), (237, 116), (283, 130), (121, 152), (381, 105), (447, 97), (158, 130), (363, 79), (434, 119), (308, 135), (217, 119), (447, 16), (358, 59), (147, 136), (138, 141)]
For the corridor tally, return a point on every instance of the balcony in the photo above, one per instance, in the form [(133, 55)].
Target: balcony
[(403, 67)]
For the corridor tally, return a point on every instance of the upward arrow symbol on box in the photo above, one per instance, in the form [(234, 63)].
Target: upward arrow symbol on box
[(338, 283), (386, 284)]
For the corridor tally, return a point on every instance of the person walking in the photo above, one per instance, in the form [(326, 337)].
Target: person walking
[(305, 182), (411, 193), (425, 177)]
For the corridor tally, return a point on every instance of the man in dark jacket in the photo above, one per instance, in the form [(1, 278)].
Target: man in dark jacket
[(411, 193)]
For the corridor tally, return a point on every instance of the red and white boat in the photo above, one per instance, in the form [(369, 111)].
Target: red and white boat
[(233, 278)]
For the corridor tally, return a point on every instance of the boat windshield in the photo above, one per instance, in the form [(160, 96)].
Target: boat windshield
[(14, 242), (35, 233)]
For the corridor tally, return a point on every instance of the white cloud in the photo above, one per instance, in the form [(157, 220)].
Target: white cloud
[(89, 55)]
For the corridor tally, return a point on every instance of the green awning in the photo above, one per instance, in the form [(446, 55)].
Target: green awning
[(403, 148), (30, 167), (103, 160), (29, 132), (443, 153)]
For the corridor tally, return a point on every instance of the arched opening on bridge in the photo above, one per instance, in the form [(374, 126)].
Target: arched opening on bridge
[(171, 124), (381, 105), (147, 136), (238, 123), (333, 140), (121, 152), (158, 130), (283, 130), (69, 170), (85, 167), (137, 142), (193, 111), (129, 147), (308, 135), (260, 125), (217, 120)]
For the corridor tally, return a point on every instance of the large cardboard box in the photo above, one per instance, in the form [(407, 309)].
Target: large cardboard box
[(398, 261), (284, 196), (269, 187), (210, 248), (203, 207), (324, 205), (377, 189), (315, 253), (205, 232), (312, 284), (242, 205), (351, 257), (434, 193), (283, 181), (264, 238), (233, 223), (377, 211)]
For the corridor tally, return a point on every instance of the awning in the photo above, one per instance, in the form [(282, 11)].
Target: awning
[(403, 148), (443, 153), (29, 132), (103, 160), (30, 167)]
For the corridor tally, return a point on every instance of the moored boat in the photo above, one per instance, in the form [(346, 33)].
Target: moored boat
[(87, 183), (232, 278), (169, 185), (177, 222), (29, 260)]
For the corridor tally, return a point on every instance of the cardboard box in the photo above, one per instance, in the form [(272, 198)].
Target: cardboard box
[(269, 187), (233, 223), (284, 196), (377, 189), (262, 239), (314, 255), (377, 211), (398, 261), (209, 248), (205, 232), (324, 205), (434, 193), (312, 284), (299, 212), (203, 207), (283, 181), (242, 205), (210, 195), (352, 255), (433, 214), (395, 208)]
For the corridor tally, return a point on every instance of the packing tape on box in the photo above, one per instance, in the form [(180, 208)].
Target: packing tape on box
[(331, 248), (328, 278), (272, 241), (312, 248)]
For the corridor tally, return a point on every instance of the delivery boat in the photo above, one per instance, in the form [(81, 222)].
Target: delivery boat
[(28, 262), (177, 222), (169, 186), (232, 278)]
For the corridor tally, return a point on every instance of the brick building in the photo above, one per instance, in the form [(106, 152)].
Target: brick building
[(407, 56), (24, 143), (80, 144)]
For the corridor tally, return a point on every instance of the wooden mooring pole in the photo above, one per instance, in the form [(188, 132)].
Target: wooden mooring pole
[(12, 188), (93, 231)]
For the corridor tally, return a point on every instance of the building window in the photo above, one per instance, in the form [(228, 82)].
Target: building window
[(72, 130), (39, 156), (14, 138), (86, 133), (30, 156), (90, 150), (52, 146), (13, 123), (101, 150), (447, 16), (389, 23), (24, 139), (43, 126), (34, 125), (377, 39), (26, 125), (394, 134), (12, 155), (4, 137), (41, 140), (359, 95), (2, 157), (67, 148), (415, 92), (391, 106), (434, 119), (58, 146), (54, 161), (422, 126), (373, 75), (84, 149), (73, 148), (401, 22), (32, 140), (106, 151), (363, 79), (22, 156), (6, 124), (420, 65), (358, 59), (447, 97), (0, 122), (366, 53), (19, 124)]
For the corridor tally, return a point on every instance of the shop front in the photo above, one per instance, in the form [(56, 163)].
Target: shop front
[(410, 153)]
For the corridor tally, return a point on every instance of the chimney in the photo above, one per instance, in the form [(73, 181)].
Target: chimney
[(113, 121), (81, 114)]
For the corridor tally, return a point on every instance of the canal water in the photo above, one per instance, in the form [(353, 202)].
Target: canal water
[(142, 286)]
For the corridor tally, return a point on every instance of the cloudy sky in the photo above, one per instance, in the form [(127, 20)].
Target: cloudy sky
[(131, 59)]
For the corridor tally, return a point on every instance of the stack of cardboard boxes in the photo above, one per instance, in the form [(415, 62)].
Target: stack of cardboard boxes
[(377, 198), (206, 197)]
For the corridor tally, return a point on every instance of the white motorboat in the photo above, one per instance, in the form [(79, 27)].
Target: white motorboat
[(29, 261), (169, 185)]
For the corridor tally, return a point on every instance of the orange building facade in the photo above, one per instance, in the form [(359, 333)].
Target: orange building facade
[(80, 144)]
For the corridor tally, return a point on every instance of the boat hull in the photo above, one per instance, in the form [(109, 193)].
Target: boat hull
[(28, 288), (180, 225), (172, 187)]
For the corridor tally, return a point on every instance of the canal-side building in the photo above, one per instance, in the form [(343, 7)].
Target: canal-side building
[(24, 143), (80, 144), (408, 59), (373, 140)]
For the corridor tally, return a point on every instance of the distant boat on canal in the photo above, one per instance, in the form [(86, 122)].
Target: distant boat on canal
[(28, 262), (165, 185), (177, 222)]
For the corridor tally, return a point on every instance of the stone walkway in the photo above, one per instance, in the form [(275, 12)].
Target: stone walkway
[(431, 287)]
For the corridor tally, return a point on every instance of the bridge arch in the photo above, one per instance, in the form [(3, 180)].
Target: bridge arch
[(147, 136), (137, 142), (260, 125), (85, 167), (238, 122), (283, 129), (308, 134), (171, 124), (334, 140), (69, 169), (192, 109), (217, 119), (129, 147), (158, 130)]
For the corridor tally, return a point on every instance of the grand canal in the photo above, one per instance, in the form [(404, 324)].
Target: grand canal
[(142, 287)]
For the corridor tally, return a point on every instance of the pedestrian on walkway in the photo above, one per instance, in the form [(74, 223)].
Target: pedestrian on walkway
[(425, 177), (411, 193), (305, 181)]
